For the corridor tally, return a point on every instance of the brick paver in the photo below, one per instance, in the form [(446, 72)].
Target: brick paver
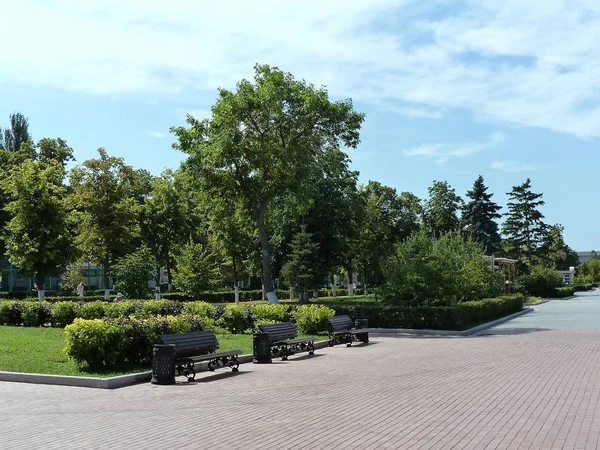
[(527, 389)]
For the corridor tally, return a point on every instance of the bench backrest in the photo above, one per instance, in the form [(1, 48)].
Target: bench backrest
[(341, 323), (279, 331), (192, 344)]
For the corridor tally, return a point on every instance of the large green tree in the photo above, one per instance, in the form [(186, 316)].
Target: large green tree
[(479, 217), (105, 209), (555, 252), (263, 141), (38, 237), (388, 219), (164, 221), (440, 214), (524, 229)]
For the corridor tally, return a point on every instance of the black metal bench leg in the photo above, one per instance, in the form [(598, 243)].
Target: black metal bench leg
[(234, 364), (311, 348), (188, 370)]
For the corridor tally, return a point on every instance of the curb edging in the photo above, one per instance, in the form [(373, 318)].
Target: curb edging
[(105, 383)]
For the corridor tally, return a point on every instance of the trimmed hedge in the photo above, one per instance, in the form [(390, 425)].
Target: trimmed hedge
[(458, 317), (563, 292), (232, 317), (583, 287)]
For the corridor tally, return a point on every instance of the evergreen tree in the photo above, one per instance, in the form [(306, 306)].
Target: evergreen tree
[(18, 133), (301, 270), (524, 228), (440, 215), (478, 217)]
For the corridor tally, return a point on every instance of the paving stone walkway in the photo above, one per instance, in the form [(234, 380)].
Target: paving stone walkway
[(522, 389)]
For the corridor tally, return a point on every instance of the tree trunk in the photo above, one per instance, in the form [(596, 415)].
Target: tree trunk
[(235, 283), (106, 267), (333, 285), (350, 285), (39, 282), (266, 257), (169, 275)]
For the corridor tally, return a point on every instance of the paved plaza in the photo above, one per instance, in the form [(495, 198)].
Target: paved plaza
[(517, 386)]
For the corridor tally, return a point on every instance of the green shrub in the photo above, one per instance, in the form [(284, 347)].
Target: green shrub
[(424, 272), (97, 343), (201, 309), (114, 342), (92, 310), (63, 313), (235, 319), (275, 313), (10, 313), (563, 292), (541, 281), (458, 317), (150, 308), (120, 309), (312, 319), (583, 287), (35, 314)]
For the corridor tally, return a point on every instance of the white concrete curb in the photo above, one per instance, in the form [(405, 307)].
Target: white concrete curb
[(104, 383)]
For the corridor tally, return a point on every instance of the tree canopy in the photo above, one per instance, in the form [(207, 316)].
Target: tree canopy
[(263, 141)]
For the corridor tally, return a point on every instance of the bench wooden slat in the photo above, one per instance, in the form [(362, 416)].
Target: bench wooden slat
[(339, 323), (279, 331), (215, 355)]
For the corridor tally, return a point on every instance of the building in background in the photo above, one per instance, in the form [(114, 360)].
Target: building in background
[(586, 256)]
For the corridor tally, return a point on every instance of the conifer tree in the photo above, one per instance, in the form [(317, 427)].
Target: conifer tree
[(479, 217), (302, 268), (524, 228)]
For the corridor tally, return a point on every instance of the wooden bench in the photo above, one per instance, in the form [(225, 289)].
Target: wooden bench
[(342, 331), (282, 337), (199, 346)]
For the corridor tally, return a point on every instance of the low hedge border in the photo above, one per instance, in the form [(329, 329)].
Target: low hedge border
[(583, 287), (232, 317), (563, 292), (456, 318)]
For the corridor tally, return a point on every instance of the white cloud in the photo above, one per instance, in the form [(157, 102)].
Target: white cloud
[(517, 167), (527, 62), (156, 134), (444, 152)]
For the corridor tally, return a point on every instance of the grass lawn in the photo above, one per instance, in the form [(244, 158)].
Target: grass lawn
[(40, 350)]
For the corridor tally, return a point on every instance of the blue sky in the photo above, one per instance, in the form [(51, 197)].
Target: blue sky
[(451, 89)]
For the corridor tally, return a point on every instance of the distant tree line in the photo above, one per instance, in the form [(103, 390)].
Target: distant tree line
[(266, 191)]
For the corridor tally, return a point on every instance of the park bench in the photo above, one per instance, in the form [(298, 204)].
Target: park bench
[(199, 346), (342, 331), (283, 340)]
